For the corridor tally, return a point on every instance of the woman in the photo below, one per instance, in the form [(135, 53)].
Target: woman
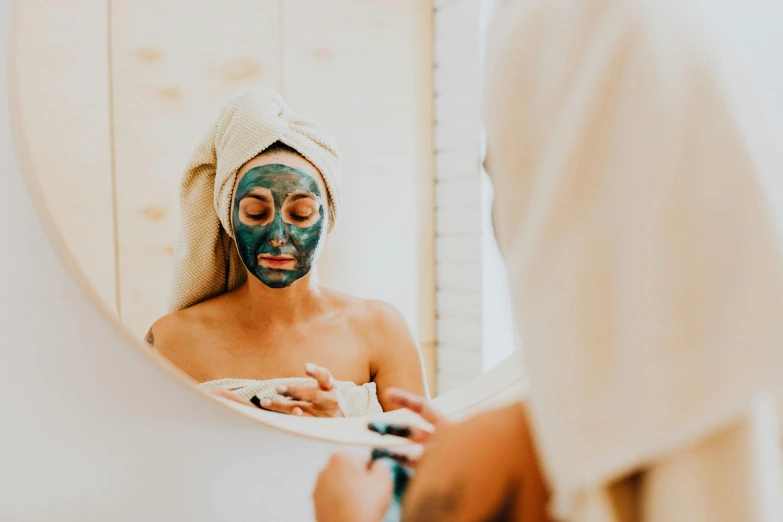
[(638, 210), (248, 316)]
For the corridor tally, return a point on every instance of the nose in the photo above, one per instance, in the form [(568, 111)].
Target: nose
[(277, 242), (277, 232)]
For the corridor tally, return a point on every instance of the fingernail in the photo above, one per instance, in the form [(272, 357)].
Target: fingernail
[(381, 453), (256, 401), (297, 411), (281, 389), (398, 430), (309, 367), (266, 403)]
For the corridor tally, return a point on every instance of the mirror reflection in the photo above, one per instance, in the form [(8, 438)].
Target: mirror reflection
[(260, 195), (298, 184)]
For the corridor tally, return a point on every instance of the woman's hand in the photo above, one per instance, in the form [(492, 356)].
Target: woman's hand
[(472, 470), (349, 489), (321, 400), (420, 405)]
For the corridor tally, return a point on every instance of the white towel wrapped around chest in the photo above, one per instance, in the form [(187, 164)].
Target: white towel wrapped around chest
[(356, 400)]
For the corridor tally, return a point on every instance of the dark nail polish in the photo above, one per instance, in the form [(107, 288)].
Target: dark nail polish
[(383, 453), (379, 453), (256, 401), (398, 430)]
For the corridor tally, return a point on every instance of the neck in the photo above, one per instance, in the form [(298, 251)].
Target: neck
[(284, 305)]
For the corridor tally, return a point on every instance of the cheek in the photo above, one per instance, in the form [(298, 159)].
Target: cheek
[(248, 236), (308, 239)]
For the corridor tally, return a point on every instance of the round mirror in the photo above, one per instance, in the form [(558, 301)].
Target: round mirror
[(281, 201)]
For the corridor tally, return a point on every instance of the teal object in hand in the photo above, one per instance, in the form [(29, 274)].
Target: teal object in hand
[(400, 476)]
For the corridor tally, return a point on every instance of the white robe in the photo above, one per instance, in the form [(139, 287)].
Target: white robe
[(638, 211)]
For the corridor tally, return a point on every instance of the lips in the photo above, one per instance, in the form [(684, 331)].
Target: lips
[(276, 261)]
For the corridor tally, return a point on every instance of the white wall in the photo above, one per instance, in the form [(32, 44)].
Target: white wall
[(91, 430), (474, 325)]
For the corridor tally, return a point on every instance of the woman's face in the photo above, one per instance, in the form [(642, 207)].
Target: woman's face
[(279, 217)]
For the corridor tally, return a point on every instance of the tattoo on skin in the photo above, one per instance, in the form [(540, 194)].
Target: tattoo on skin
[(434, 505), (507, 509)]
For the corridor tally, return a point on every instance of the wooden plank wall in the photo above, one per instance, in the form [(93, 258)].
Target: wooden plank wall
[(172, 64), (63, 94)]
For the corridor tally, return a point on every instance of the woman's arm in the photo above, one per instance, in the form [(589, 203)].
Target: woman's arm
[(395, 358), (484, 468)]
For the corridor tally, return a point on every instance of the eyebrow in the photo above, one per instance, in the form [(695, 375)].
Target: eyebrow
[(301, 195), (261, 197)]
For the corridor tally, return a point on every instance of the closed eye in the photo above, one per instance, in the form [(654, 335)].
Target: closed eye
[(302, 211), (254, 211), (301, 216)]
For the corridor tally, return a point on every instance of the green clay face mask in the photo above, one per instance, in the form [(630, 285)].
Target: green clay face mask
[(278, 221)]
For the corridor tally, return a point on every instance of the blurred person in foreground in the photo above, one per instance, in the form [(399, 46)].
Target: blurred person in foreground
[(637, 213)]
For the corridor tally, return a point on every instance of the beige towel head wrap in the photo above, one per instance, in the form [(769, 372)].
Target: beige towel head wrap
[(637, 208), (206, 261)]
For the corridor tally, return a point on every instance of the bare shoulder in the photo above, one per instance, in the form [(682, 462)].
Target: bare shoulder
[(395, 360), (370, 316), (383, 330), (384, 318), (168, 329), (178, 335), (391, 341)]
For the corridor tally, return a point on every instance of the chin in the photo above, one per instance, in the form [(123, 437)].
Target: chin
[(277, 279), (278, 284)]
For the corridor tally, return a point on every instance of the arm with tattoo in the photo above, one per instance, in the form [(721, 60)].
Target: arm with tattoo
[(482, 469), (436, 504), (453, 505)]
